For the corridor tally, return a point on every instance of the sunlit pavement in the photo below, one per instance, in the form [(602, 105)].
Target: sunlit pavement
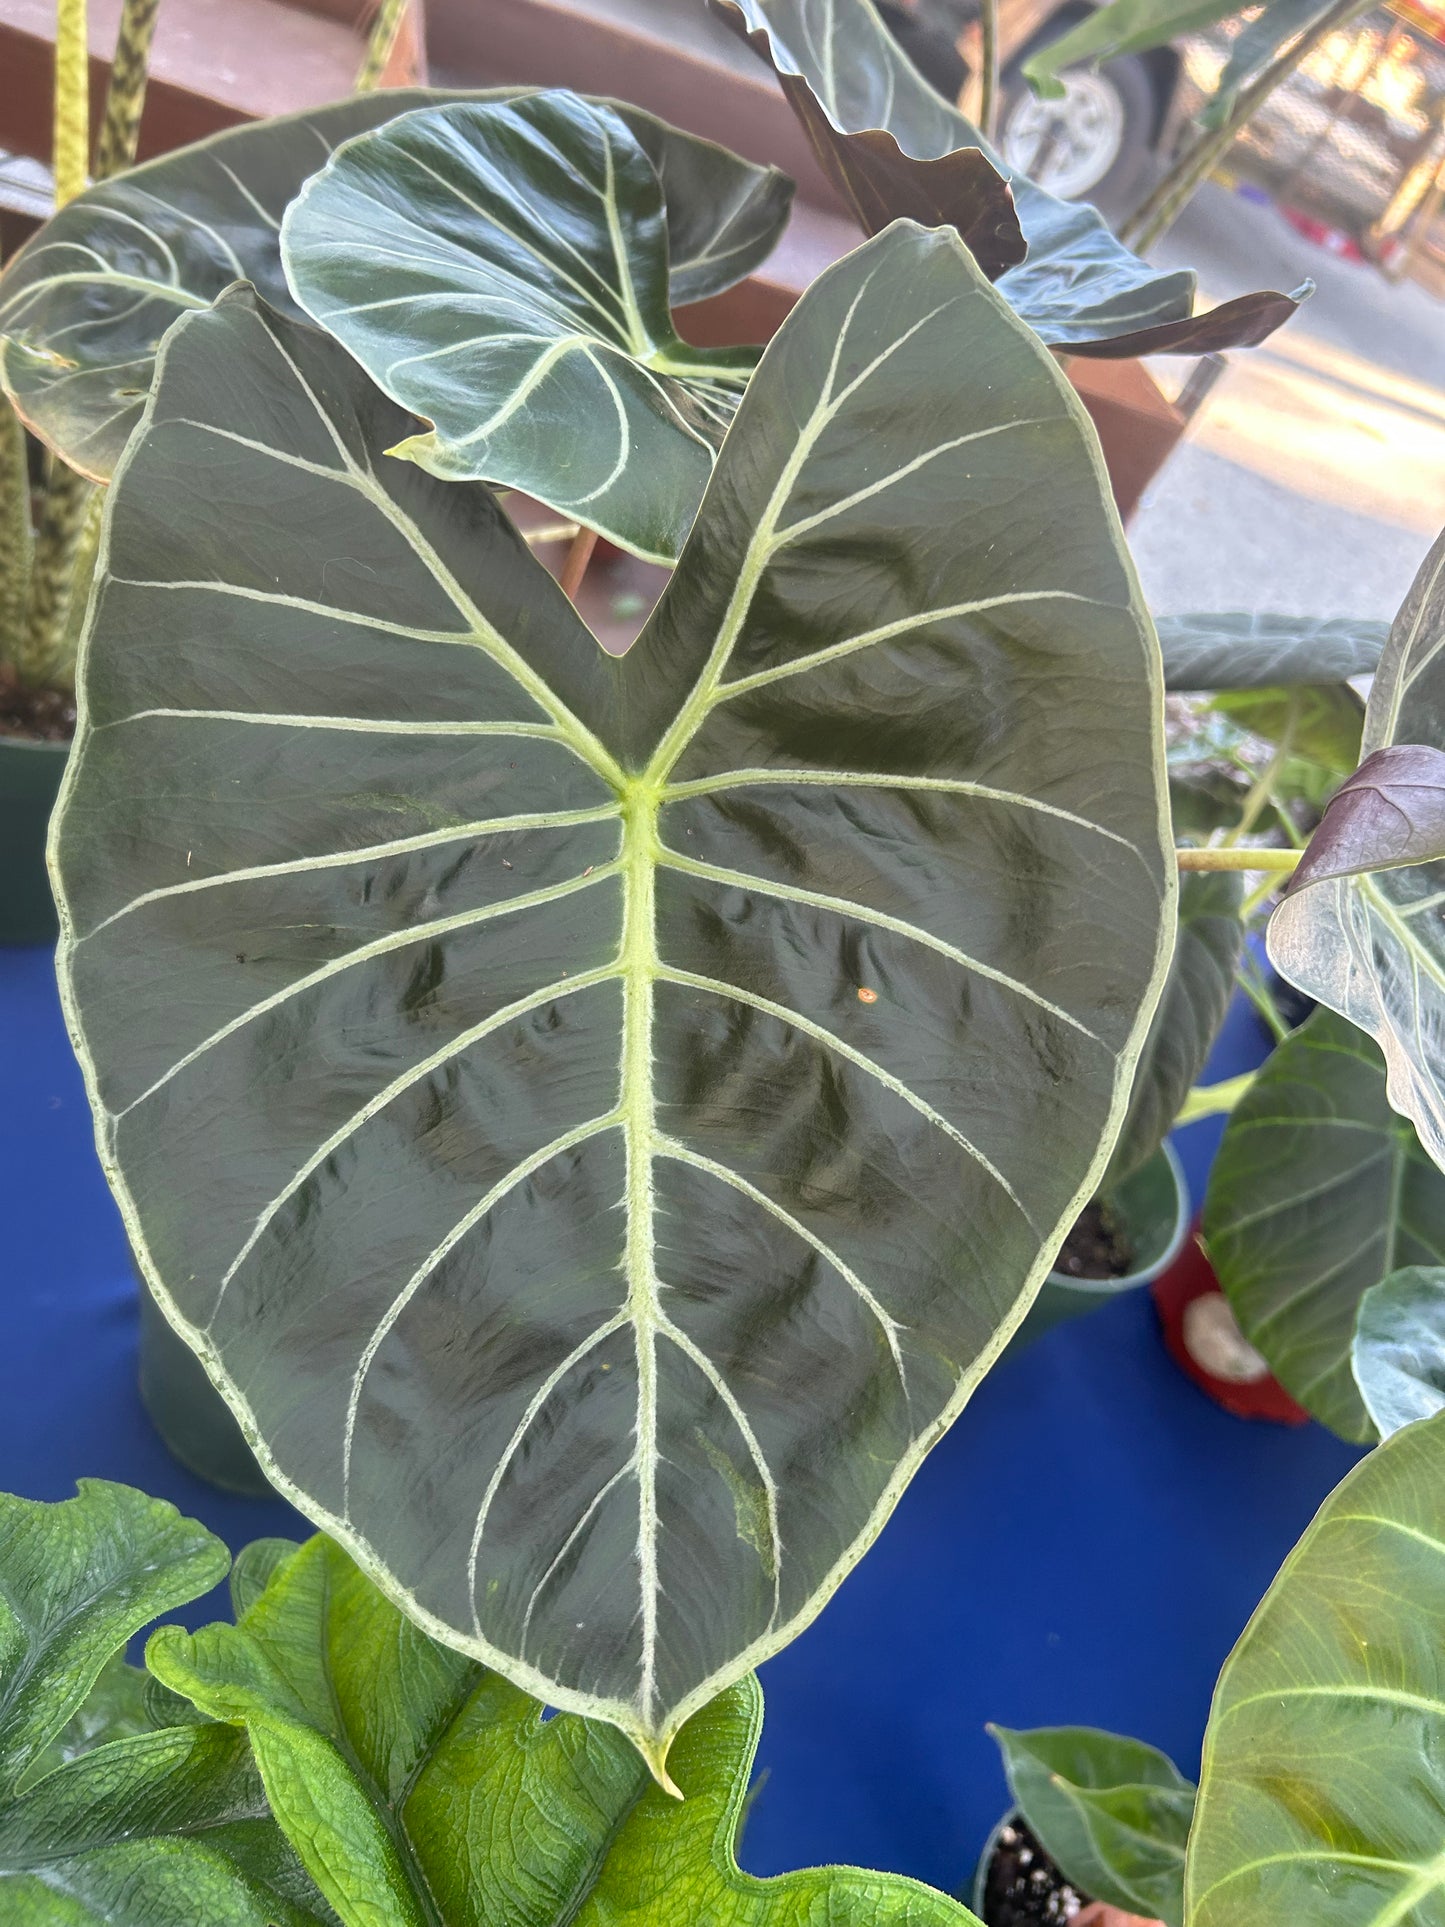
[(1313, 477)]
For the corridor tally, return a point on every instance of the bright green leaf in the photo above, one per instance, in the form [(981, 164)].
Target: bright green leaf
[(501, 271), (114, 1709), (1319, 722), (1120, 27), (1399, 1348), (1113, 1813), (1240, 650)]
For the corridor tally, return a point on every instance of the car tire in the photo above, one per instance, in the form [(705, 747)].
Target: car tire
[(1105, 132)]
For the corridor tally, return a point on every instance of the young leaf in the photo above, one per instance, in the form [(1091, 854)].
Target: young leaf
[(1319, 1191), (1321, 1788), (1390, 812), (1120, 27), (501, 271), (421, 1788), (1112, 1812), (1371, 944), (599, 1118), (1399, 1349), (84, 305), (1238, 650), (1078, 287), (1196, 996), (76, 1580)]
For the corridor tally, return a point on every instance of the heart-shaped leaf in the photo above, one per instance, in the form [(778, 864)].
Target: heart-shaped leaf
[(1321, 1788), (1240, 650), (599, 1118), (1399, 1349), (1319, 1191), (1078, 287), (501, 270), (1196, 997), (1371, 943), (421, 1788), (1112, 1813), (1389, 813), (84, 306)]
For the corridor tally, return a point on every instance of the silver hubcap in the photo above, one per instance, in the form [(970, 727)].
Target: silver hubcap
[(1067, 145)]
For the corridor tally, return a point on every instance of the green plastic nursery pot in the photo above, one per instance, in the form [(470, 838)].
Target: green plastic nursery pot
[(1153, 1205), (197, 1425), (30, 776)]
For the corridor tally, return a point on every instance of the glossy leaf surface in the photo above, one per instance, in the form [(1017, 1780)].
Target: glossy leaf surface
[(1319, 1191), (421, 1788), (1196, 996), (83, 308), (1078, 287), (1399, 1350), (501, 271), (1319, 1798), (1239, 650), (1112, 1812), (599, 1118), (1372, 945)]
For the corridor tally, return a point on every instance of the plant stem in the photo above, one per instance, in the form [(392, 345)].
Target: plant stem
[(126, 96), (1237, 859), (988, 62), (1214, 1100), (71, 144), (384, 30), (1156, 214), (55, 575), (578, 556), (1261, 791), (16, 541)]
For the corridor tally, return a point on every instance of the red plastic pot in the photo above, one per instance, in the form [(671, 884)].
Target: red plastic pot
[(1203, 1341)]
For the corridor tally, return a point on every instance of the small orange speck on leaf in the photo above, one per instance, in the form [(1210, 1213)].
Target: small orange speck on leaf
[(867, 996)]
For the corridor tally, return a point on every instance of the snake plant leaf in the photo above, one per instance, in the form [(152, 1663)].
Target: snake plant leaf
[(1112, 1813), (1078, 286), (1399, 1349), (1319, 1191), (1196, 997), (1241, 649), (1120, 27), (77, 1579), (1371, 944), (421, 1787), (501, 271), (598, 1118), (83, 307), (1321, 1786)]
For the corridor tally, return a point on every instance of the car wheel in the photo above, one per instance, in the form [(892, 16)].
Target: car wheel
[(1094, 144)]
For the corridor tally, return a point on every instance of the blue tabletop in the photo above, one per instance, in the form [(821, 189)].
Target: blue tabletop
[(1083, 1547)]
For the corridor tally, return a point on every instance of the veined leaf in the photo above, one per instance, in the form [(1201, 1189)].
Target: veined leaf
[(1399, 1349), (1120, 27), (421, 1788), (84, 306), (1371, 944), (1319, 1191), (1240, 650), (1196, 997), (1389, 813), (501, 270), (599, 1118), (1113, 1813), (1320, 1795), (1078, 287)]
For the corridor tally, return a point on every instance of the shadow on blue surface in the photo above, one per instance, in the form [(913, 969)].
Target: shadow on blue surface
[(1084, 1546)]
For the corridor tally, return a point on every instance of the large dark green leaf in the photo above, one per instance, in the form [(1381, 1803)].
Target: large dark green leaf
[(1121, 27), (1319, 1191), (1371, 943), (422, 1789), (501, 271), (1078, 287), (1196, 996), (83, 307), (1111, 1812), (1322, 1785), (1238, 650), (1399, 1348), (598, 1119)]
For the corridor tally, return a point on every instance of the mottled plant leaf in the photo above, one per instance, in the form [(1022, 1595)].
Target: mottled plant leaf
[(1112, 1813), (599, 1118), (1371, 944), (1399, 1349), (1078, 286), (1321, 1787), (501, 271), (1196, 996), (84, 306), (1240, 650), (1318, 1192), (420, 1787)]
